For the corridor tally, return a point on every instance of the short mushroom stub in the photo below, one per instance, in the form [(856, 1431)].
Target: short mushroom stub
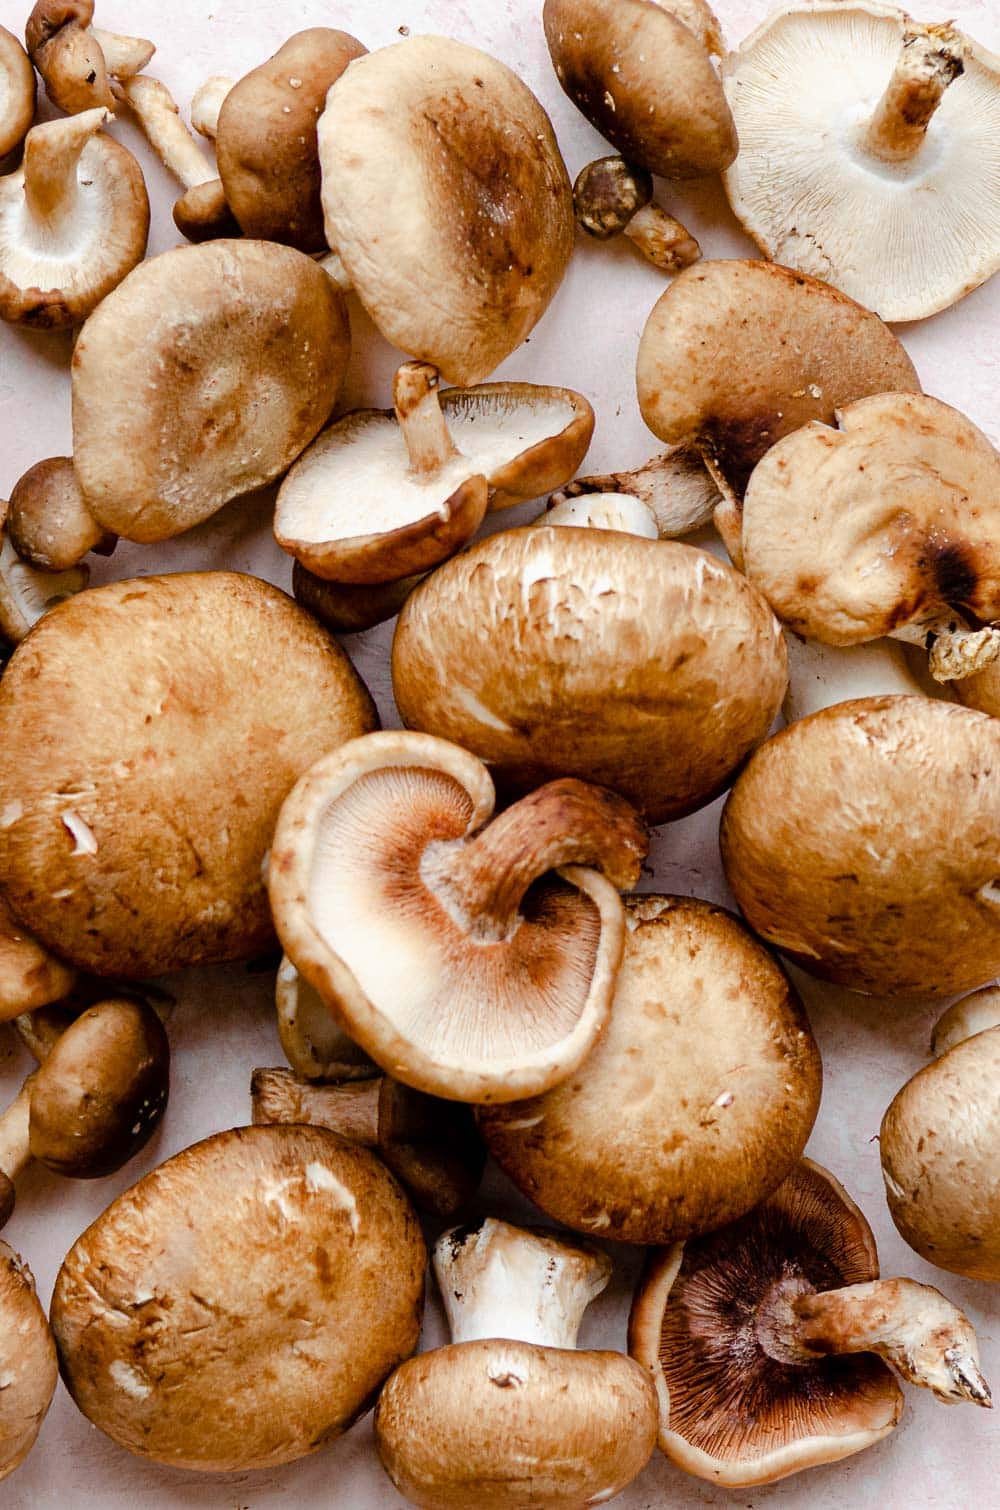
[(27, 1361)]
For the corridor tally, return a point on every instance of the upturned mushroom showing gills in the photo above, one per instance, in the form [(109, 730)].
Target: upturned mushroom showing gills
[(869, 152), (695, 1102), (136, 845), (73, 222), (17, 93), (511, 1413), (27, 1361), (439, 938), (77, 60), (268, 1335), (454, 160), (827, 863), (765, 1340)]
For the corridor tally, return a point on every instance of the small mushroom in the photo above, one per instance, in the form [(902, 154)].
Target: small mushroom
[(73, 221), (762, 1339), (867, 142), (674, 485), (938, 1145), (27, 1361), (17, 93), (30, 976), (825, 857), (695, 1102), (26, 593), (314, 1044), (48, 521), (431, 1146), (350, 607), (75, 59), (511, 1413), (443, 946), (202, 212), (612, 198)]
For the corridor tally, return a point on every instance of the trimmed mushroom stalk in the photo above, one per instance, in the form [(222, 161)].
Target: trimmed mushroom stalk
[(612, 198), (674, 485), (17, 93), (932, 57), (26, 592), (28, 1364), (201, 213), (30, 977), (954, 651), (207, 102), (584, 1422), (315, 1045), (76, 60), (49, 523)]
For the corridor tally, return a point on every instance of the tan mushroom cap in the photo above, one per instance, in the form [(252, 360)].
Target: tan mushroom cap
[(641, 72), (694, 1104), (462, 176), (243, 348), (241, 1305), (175, 714), (27, 1361), (17, 93), (30, 977), (644, 665), (266, 138), (826, 858), (443, 947), (48, 521)]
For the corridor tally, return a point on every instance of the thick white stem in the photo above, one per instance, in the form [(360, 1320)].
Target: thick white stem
[(931, 60), (51, 154), (418, 410), (662, 240), (954, 650)]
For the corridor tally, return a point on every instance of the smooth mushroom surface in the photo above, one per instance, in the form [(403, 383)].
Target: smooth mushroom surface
[(202, 212), (136, 845), (206, 103), (864, 842), (76, 60), (30, 977), (674, 486), (695, 1102), (314, 1044), (512, 1413), (350, 607), (26, 593), (17, 93), (614, 198), (762, 1339), (27, 1361), (48, 521), (869, 152), (453, 158), (244, 347), (268, 1333), (439, 938)]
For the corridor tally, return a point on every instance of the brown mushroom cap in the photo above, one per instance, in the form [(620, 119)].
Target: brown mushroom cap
[(463, 179), (29, 976), (350, 607), (27, 1361), (695, 1102), (827, 862), (48, 521), (266, 138), (730, 1411), (243, 348), (68, 55), (644, 665), (241, 1305), (26, 593), (175, 714), (17, 93)]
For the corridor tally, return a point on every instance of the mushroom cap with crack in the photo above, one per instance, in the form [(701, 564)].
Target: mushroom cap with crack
[(695, 1102), (644, 665), (244, 347), (266, 138), (48, 522), (241, 1305), (731, 1412), (27, 1361), (452, 158), (906, 238), (864, 842), (641, 72), (17, 93), (150, 731)]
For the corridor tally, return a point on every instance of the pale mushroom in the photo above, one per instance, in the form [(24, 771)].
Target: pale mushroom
[(443, 946), (26, 593), (272, 1334), (674, 486), (511, 1413), (73, 222), (48, 522), (202, 212), (314, 1044), (762, 1339), (30, 977), (77, 61), (614, 198), (27, 1361), (869, 152), (971, 1014), (17, 93)]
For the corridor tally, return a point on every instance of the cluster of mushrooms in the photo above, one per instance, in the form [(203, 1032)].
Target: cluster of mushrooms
[(467, 970)]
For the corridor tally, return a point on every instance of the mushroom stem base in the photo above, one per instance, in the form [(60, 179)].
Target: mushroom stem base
[(931, 59)]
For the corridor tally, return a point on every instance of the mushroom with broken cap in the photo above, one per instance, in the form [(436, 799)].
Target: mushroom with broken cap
[(27, 592), (315, 1045), (202, 212), (48, 521), (388, 881), (613, 198), (761, 1339), (511, 1412), (28, 1363), (17, 93), (869, 152), (77, 60), (270, 1338)]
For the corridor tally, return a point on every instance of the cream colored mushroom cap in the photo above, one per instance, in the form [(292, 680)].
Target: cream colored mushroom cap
[(906, 239), (450, 156), (27, 1361), (17, 92)]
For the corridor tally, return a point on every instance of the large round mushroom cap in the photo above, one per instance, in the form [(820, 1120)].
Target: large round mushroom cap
[(149, 732), (27, 1361), (864, 842), (241, 1305), (203, 377), (451, 158), (644, 665)]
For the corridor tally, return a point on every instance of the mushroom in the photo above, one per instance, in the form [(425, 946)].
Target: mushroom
[(314, 1044), (73, 221), (674, 486), (27, 1361), (430, 1145), (612, 198), (30, 977), (136, 845), (206, 102), (885, 524), (824, 857), (48, 522), (26, 593), (511, 1413), (869, 148), (17, 93), (695, 1102), (938, 1144), (350, 607), (382, 495), (269, 1337), (202, 212), (443, 946), (761, 1339), (76, 59), (462, 176), (736, 355), (642, 74), (244, 349)]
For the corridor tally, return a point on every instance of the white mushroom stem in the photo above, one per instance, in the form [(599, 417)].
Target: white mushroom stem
[(124, 57), (156, 111), (207, 103), (977, 1013), (675, 486), (931, 60), (954, 650), (604, 511), (51, 154), (418, 410), (279, 1096), (15, 1143), (662, 240), (499, 1281)]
